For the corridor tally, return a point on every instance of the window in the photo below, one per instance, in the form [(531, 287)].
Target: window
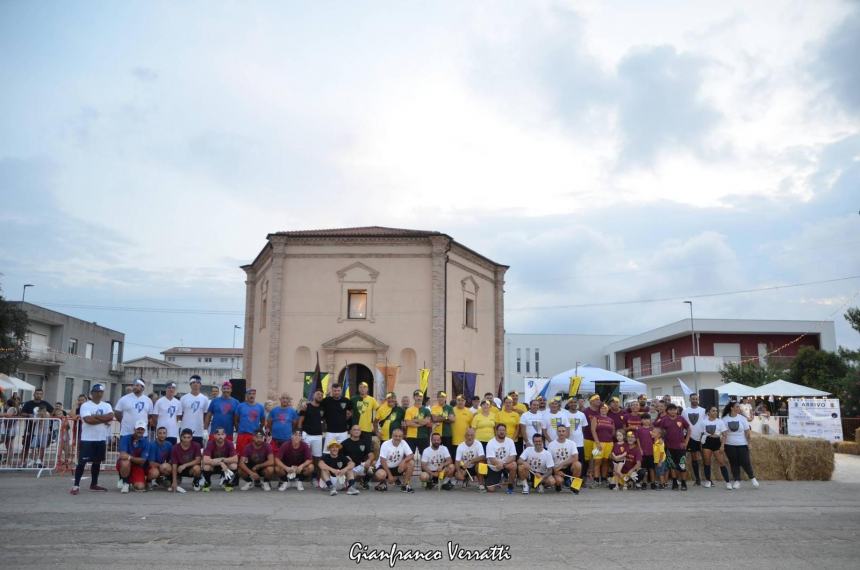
[(673, 355), (207, 359), (223, 360), (528, 359), (199, 359), (73, 346), (86, 387), (357, 304), (264, 303), (171, 359), (470, 313), (68, 393), (89, 351), (537, 361), (519, 360)]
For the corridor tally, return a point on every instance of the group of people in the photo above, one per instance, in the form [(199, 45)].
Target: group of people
[(344, 445), (36, 437)]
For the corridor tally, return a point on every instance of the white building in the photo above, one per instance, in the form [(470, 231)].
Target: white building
[(195, 357)]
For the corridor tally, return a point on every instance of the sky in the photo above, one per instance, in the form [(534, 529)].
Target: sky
[(610, 153)]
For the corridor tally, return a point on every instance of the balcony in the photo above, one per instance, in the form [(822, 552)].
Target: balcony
[(46, 357), (116, 370), (702, 364)]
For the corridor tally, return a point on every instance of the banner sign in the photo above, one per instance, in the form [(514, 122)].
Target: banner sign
[(815, 417)]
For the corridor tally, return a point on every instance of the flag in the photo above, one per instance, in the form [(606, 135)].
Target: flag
[(469, 388), (390, 377), (575, 383), (378, 383), (317, 377), (482, 468), (500, 391), (326, 378), (576, 483), (308, 388), (684, 388), (458, 384), (346, 382), (424, 381), (537, 480)]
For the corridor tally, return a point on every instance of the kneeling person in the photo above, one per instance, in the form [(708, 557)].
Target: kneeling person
[(360, 450), (565, 455), (220, 457), (501, 459), (535, 466), (436, 463), (160, 469), (133, 455), (257, 463), (185, 459), (294, 461), (396, 461), (469, 454), (338, 467)]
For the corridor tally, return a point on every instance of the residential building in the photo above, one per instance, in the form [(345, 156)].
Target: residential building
[(158, 373), (68, 355), (367, 297), (196, 357)]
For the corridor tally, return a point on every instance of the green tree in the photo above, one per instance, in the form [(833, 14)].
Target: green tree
[(818, 369), (13, 329), (750, 373)]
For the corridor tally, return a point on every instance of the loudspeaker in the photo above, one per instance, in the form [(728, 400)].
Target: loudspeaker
[(709, 397), (239, 388)]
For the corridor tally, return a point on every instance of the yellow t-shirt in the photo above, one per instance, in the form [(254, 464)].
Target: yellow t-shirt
[(365, 408), (659, 452), (521, 408), (484, 426), (462, 422), (411, 414), (438, 410), (510, 419), (382, 412)]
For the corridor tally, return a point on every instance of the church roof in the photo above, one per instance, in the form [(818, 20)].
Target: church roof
[(363, 231)]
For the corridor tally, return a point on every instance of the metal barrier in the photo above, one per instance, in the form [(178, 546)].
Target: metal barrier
[(33, 444)]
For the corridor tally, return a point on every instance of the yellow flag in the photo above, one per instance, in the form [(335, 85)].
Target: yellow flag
[(576, 483), (424, 380), (441, 474), (325, 381), (482, 469), (575, 383), (538, 479)]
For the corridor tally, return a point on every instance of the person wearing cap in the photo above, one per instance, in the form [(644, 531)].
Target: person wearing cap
[(616, 413), (389, 416), (557, 416), (222, 412), (294, 461), (167, 412), (364, 410), (591, 412), (281, 421), (250, 416), (257, 462), (220, 457), (133, 455), (338, 467), (395, 463), (442, 414), (158, 460), (518, 406), (360, 451), (511, 418), (462, 420), (532, 422), (337, 412), (470, 452), (96, 417), (185, 460), (131, 409), (484, 422), (437, 464), (193, 409), (417, 421)]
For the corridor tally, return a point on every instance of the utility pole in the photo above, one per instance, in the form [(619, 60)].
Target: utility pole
[(695, 348)]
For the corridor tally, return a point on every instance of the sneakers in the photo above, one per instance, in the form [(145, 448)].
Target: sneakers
[(98, 489), (754, 482), (525, 488), (736, 485), (407, 489), (353, 491), (196, 485), (228, 488), (675, 485), (119, 483), (333, 492), (180, 490), (482, 489), (509, 491), (74, 490), (653, 486), (299, 486), (707, 484), (729, 486), (266, 486), (447, 486), (683, 485), (284, 486), (540, 490), (205, 488), (124, 488), (246, 486)]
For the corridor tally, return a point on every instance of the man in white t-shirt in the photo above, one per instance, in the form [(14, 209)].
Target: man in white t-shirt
[(396, 461), (578, 421), (501, 459), (168, 412), (469, 453), (535, 466), (194, 406), (565, 455), (436, 464), (96, 418), (695, 416), (130, 410), (557, 416), (533, 421)]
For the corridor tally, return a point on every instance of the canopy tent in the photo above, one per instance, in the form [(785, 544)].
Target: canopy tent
[(737, 389), (591, 374), (10, 382), (788, 389), (5, 384)]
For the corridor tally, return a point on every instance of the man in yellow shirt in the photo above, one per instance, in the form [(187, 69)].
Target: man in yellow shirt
[(517, 405), (511, 418), (417, 422), (462, 421), (363, 408), (389, 416), (442, 414)]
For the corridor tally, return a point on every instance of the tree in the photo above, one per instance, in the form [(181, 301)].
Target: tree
[(13, 330), (750, 373), (818, 369)]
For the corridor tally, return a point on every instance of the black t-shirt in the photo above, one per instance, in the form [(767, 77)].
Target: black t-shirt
[(355, 450), (312, 424), (334, 412), (29, 408), (338, 462)]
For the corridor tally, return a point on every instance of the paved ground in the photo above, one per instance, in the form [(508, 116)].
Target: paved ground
[(790, 525)]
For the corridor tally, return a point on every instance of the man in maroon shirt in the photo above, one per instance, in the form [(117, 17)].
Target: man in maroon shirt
[(185, 459), (257, 463), (294, 462), (677, 430), (220, 457), (616, 413)]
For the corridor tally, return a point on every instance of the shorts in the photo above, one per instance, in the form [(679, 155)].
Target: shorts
[(242, 440), (661, 469), (334, 436), (136, 475), (605, 450), (694, 446), (92, 451), (712, 444), (494, 477), (518, 445), (677, 455), (567, 471), (473, 471), (647, 462), (39, 441), (187, 472), (315, 443), (359, 471)]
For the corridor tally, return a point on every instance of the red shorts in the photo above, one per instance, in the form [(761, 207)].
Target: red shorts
[(242, 440), (136, 476)]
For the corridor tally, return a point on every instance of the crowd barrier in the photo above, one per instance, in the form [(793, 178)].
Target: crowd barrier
[(35, 444)]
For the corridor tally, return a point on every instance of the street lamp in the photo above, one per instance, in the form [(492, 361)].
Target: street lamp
[(695, 348), (24, 294)]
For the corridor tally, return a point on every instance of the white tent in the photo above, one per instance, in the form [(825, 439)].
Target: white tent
[(16, 383), (6, 384), (788, 389), (737, 389), (591, 374)]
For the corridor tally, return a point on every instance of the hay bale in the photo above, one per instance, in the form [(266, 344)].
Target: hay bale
[(791, 458), (850, 447), (857, 435)]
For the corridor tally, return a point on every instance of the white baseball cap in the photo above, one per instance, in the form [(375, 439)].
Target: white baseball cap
[(140, 424)]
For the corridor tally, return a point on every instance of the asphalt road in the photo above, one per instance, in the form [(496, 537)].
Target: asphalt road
[(782, 524)]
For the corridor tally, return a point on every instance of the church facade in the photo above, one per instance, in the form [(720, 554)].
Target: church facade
[(369, 298)]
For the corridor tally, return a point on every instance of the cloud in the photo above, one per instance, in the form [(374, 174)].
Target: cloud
[(836, 64)]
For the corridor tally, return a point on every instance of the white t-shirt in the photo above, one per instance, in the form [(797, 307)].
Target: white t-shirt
[(393, 454), (736, 426), (500, 450), (97, 432), (561, 452), (168, 412), (470, 452), (533, 423), (436, 458), (696, 417), (577, 422), (193, 409), (133, 409), (560, 418), (712, 427), (538, 461)]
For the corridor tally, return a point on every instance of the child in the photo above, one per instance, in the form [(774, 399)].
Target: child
[(631, 469), (661, 468), (619, 456), (64, 443), (646, 446)]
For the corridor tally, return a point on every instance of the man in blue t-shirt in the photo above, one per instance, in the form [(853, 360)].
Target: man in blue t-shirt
[(281, 421), (222, 412), (249, 418), (133, 455), (159, 459)]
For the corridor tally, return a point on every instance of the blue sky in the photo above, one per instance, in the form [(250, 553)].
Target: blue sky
[(605, 151)]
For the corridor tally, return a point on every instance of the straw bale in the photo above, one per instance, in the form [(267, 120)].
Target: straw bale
[(850, 447), (791, 458)]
